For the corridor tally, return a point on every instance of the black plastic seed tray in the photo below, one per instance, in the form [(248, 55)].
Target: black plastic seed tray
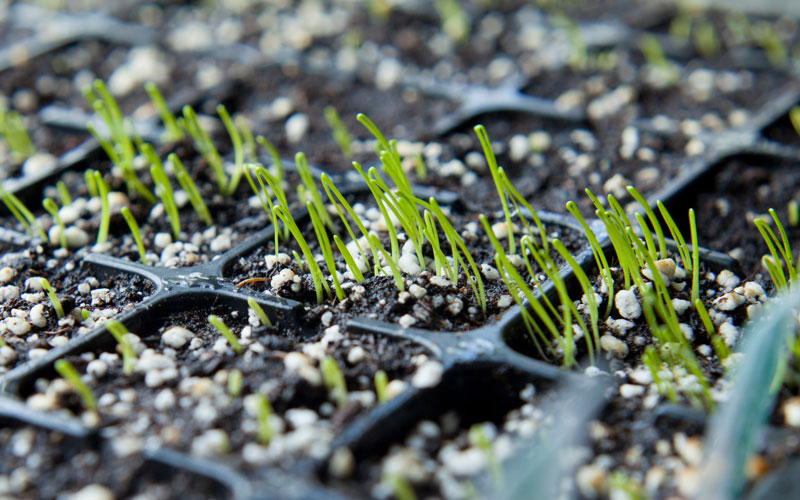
[(483, 370)]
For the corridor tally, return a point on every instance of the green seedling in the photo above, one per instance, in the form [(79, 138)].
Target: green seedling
[(51, 294), (348, 258), (165, 193), (119, 332), (325, 248), (654, 55), (265, 178), (22, 214), (381, 384), (13, 130), (400, 487), (597, 250), (52, 209), (793, 209), (334, 380), (320, 283), (262, 316), (85, 314), (399, 281), (651, 215), (205, 146), (420, 167), (265, 430), (188, 185), (63, 193), (235, 382), (248, 141), (137, 236), (794, 117), (238, 149), (120, 147), (172, 131), (478, 438), (310, 186), (653, 361), (770, 40), (105, 212), (276, 157), (226, 332), (705, 38), (341, 135), (578, 54), (781, 253), (454, 19), (70, 374)]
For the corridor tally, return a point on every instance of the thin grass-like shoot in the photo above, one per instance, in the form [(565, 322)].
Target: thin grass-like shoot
[(341, 135), (695, 257), (188, 185), (276, 157), (325, 247), (311, 188), (320, 283), (265, 430), (399, 282), (13, 130), (119, 332), (226, 332), (205, 146), (63, 193), (172, 132), (51, 294), (334, 380), (137, 235), (491, 161), (105, 211), (52, 209), (235, 383), (22, 214), (71, 375), (381, 384), (164, 191), (256, 307), (238, 149), (348, 258), (401, 488)]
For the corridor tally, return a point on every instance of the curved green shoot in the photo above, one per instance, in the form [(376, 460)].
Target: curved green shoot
[(348, 258), (105, 212), (276, 157), (256, 307), (332, 191), (651, 215), (226, 332), (70, 374), (683, 249), (63, 193), (52, 209), (119, 332), (51, 294), (247, 138), (401, 488), (172, 132), (238, 148), (325, 248), (695, 257), (164, 191), (311, 187), (265, 430), (235, 382), (22, 214), (320, 284), (597, 250), (491, 161), (399, 282), (334, 380), (381, 383), (205, 146), (593, 342), (340, 133), (188, 185), (13, 130), (137, 236)]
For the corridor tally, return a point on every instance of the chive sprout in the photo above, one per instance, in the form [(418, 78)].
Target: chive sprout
[(172, 132), (320, 284), (334, 380), (63, 193), (226, 332), (276, 157), (381, 383), (105, 212), (52, 209), (120, 334), (400, 487), (205, 146), (137, 236), (13, 130), (325, 247), (265, 430), (238, 149), (311, 187), (164, 191), (70, 374), (51, 294), (21, 213), (235, 382), (340, 133), (188, 185), (256, 307), (781, 251)]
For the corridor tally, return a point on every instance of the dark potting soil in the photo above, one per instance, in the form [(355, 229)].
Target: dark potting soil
[(64, 275), (730, 196), (32, 454), (263, 372)]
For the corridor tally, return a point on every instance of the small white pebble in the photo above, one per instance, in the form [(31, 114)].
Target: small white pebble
[(631, 390), (7, 274), (613, 346), (417, 291), (427, 375), (356, 355), (406, 320), (627, 304), (176, 336)]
